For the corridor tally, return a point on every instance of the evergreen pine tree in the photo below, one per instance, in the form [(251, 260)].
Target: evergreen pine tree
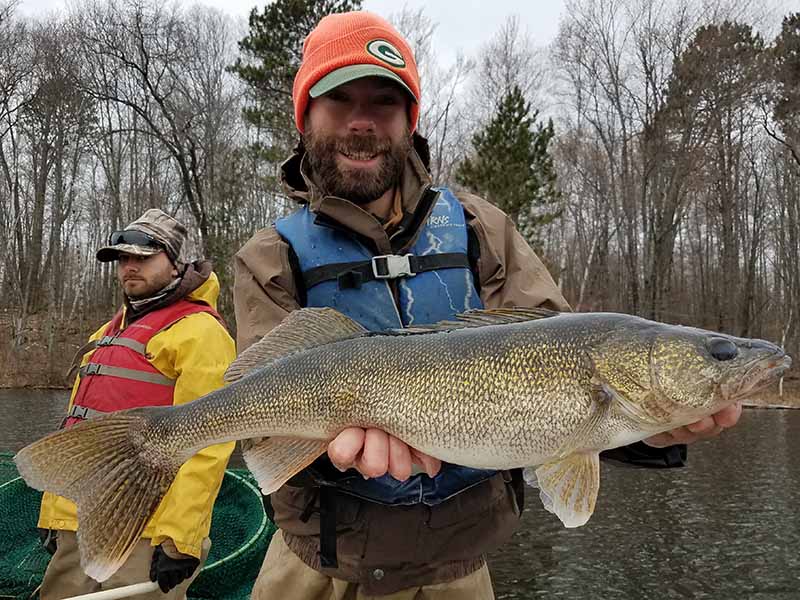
[(511, 167), (270, 56)]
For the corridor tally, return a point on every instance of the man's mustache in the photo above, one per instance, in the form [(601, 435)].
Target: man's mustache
[(361, 143)]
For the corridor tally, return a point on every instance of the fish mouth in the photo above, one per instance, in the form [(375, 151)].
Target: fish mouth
[(759, 374)]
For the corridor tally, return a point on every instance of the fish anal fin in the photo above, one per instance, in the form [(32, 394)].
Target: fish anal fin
[(568, 487), (275, 460), (302, 329)]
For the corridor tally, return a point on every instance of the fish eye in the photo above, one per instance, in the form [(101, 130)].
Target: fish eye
[(722, 349)]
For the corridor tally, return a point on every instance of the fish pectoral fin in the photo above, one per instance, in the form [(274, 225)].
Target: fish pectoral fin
[(275, 460), (301, 330), (568, 487)]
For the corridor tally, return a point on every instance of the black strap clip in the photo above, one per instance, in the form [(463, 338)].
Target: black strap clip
[(350, 280)]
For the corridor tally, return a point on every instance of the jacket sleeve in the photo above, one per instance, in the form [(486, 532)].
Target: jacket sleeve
[(195, 351), (264, 292), (511, 274), (509, 271), (640, 454)]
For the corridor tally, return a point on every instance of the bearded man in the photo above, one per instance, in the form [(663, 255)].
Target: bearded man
[(375, 240), (166, 345)]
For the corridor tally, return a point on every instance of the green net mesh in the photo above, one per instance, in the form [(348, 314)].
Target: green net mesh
[(22, 558), (240, 534)]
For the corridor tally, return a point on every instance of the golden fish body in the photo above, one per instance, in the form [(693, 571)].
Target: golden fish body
[(497, 389)]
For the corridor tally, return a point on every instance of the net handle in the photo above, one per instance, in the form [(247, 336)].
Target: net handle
[(120, 592)]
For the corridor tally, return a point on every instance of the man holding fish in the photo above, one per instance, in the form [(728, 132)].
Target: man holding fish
[(382, 326), (376, 241)]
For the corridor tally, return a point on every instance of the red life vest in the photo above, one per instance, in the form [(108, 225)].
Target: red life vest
[(119, 376)]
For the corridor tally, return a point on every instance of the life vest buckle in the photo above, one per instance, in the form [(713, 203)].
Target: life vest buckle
[(391, 266), (105, 340), (91, 369), (79, 412)]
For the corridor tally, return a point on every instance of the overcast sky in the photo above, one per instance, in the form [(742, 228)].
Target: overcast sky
[(462, 24)]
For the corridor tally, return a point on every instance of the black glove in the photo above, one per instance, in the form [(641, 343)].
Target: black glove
[(49, 539), (169, 571)]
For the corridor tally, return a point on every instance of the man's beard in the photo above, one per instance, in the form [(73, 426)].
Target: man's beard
[(156, 288), (360, 186)]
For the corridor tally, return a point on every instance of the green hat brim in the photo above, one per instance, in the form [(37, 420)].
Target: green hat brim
[(352, 72)]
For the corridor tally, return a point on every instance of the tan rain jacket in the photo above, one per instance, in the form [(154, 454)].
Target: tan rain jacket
[(385, 548)]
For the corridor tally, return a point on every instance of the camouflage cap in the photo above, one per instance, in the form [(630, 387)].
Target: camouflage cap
[(162, 232)]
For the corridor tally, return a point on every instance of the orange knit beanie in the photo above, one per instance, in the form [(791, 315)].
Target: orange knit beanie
[(347, 46)]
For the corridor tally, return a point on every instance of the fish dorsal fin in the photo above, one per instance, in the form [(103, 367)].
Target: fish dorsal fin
[(301, 330), (484, 317)]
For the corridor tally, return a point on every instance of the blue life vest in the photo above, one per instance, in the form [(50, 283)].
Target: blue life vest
[(429, 296)]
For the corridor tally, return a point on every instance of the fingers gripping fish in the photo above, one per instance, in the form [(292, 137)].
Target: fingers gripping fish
[(495, 389)]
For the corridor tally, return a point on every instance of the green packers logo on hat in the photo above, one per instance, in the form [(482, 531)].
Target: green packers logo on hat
[(386, 52)]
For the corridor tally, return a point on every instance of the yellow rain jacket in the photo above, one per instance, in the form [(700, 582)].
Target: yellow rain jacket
[(195, 351)]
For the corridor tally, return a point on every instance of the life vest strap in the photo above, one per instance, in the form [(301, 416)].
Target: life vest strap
[(327, 528), (83, 412), (386, 266), (90, 369), (112, 340), (106, 340), (78, 357)]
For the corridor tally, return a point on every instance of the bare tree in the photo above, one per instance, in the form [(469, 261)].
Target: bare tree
[(161, 78)]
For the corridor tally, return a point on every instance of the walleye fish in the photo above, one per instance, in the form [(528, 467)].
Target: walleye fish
[(495, 389)]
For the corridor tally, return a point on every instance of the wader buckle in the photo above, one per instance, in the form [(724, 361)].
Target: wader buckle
[(390, 266)]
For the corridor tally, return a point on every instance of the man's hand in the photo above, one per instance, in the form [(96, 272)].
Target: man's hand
[(373, 452), (170, 567), (703, 429)]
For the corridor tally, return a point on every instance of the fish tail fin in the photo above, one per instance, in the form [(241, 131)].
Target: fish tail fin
[(114, 471)]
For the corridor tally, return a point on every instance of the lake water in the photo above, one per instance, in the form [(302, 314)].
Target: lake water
[(725, 527)]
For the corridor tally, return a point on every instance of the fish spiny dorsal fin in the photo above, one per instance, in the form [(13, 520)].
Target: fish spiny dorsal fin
[(301, 330), (484, 317)]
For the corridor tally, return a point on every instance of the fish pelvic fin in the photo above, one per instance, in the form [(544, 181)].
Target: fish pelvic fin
[(301, 330), (568, 487), (112, 472), (275, 460)]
